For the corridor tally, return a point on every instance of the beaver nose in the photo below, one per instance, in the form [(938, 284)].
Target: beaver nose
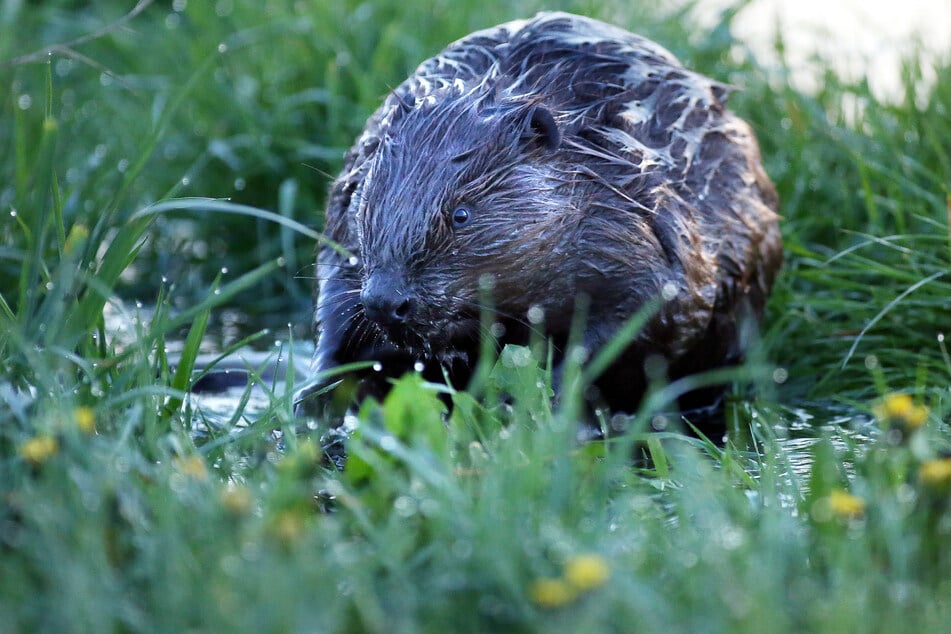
[(385, 302)]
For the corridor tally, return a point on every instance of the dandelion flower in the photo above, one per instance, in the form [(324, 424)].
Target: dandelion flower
[(586, 572), (552, 593), (237, 500), (288, 526), (845, 505), (899, 410), (38, 449), (85, 419), (193, 466), (935, 472)]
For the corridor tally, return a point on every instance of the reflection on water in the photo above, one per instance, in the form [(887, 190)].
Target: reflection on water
[(806, 424)]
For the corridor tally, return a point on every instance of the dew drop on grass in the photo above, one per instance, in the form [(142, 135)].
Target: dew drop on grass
[(281, 262), (536, 314), (24, 102), (387, 443), (13, 213), (871, 362), (669, 291), (418, 366), (217, 291), (239, 184), (377, 367), (780, 375), (940, 337), (222, 48), (353, 260), (122, 166), (138, 304), (224, 270), (186, 181)]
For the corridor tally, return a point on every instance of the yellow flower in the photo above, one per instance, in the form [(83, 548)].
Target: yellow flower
[(552, 593), (39, 448), (935, 472), (899, 410), (85, 419), (586, 572), (238, 500), (193, 466), (846, 505), (288, 526)]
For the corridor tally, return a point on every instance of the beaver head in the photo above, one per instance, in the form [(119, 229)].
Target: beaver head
[(463, 192)]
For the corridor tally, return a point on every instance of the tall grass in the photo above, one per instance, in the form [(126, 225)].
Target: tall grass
[(122, 507)]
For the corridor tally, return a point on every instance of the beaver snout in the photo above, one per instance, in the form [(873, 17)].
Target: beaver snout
[(387, 301)]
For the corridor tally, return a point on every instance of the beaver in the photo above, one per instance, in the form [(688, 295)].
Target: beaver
[(532, 168)]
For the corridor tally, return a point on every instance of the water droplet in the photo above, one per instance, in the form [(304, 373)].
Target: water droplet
[(24, 102), (224, 270), (122, 166), (179, 5), (164, 280), (579, 354), (418, 366), (780, 375), (172, 20), (222, 48), (871, 362), (377, 367), (281, 262), (217, 291), (239, 184), (185, 181), (669, 291), (353, 261), (49, 286), (100, 150), (940, 337), (105, 79), (498, 330), (536, 314), (13, 213)]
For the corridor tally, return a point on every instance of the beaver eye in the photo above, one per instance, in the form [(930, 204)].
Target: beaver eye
[(460, 216)]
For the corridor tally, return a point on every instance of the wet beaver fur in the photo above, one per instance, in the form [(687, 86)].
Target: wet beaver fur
[(550, 160)]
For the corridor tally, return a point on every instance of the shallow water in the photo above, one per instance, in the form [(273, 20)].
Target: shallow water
[(796, 427)]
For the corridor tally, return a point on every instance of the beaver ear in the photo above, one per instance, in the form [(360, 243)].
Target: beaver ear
[(543, 128)]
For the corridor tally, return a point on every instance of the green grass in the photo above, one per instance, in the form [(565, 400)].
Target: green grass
[(160, 520)]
